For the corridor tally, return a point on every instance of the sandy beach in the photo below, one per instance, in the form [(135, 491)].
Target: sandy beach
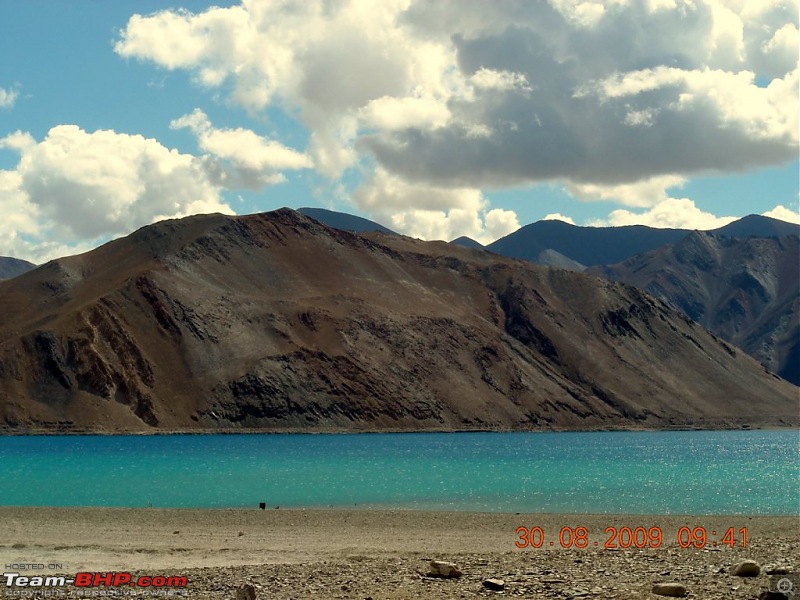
[(386, 554)]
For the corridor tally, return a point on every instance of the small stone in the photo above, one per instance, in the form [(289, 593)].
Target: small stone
[(778, 570), (675, 590), (497, 585), (448, 570), (246, 592), (746, 568)]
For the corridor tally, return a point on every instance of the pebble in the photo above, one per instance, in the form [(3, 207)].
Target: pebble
[(746, 568), (778, 570), (497, 585), (675, 590), (448, 570)]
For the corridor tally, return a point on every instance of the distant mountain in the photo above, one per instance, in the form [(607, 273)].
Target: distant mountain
[(585, 245), (758, 226), (277, 321), (552, 258), (467, 242), (747, 291), (11, 267), (591, 246), (344, 221)]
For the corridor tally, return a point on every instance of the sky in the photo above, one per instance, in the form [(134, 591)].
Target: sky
[(435, 118)]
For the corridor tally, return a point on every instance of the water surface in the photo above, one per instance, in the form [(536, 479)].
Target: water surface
[(687, 472)]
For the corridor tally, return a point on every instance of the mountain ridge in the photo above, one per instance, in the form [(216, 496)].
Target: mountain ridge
[(275, 321)]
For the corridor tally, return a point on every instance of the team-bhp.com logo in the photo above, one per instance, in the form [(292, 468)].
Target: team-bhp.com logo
[(94, 580)]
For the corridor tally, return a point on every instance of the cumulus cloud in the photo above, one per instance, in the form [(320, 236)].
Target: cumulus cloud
[(620, 100), (253, 161), (74, 187), (430, 212), (392, 114), (483, 227), (8, 97), (678, 213), (784, 214), (558, 217), (649, 192), (621, 92)]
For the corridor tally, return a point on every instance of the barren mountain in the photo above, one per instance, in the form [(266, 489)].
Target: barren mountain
[(276, 321), (592, 246), (747, 291), (585, 245), (344, 221), (467, 242), (11, 267)]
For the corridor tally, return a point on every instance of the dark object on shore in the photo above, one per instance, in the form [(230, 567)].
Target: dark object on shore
[(262, 505), (246, 592)]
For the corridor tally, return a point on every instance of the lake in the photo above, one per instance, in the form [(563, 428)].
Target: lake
[(675, 472)]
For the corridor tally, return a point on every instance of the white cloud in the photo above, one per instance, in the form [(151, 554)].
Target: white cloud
[(180, 39), (500, 222), (558, 217), (74, 187), (620, 99), (762, 113), (432, 213), (678, 213), (620, 92), (641, 194), (255, 160), (483, 227), (489, 79), (8, 97), (389, 114), (387, 192), (784, 214)]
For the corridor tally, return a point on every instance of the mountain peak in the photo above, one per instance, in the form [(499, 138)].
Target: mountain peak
[(758, 226), (467, 242), (344, 221)]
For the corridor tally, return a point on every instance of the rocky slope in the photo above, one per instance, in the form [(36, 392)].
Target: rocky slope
[(277, 321), (747, 291)]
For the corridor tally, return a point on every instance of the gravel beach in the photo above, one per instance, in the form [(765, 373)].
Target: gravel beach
[(378, 554)]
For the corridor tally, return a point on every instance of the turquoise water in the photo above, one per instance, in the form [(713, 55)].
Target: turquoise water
[(686, 472)]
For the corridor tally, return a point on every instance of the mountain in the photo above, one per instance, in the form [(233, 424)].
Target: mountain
[(11, 267), (593, 246), (551, 258), (585, 245), (467, 242), (758, 226), (340, 220), (276, 321), (747, 291)]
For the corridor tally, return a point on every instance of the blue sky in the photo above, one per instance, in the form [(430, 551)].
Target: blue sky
[(438, 119)]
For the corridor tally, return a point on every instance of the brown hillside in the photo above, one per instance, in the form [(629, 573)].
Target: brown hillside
[(276, 321)]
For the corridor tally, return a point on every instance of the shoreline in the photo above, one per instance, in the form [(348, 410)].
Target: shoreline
[(386, 509), (336, 431), (315, 553)]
